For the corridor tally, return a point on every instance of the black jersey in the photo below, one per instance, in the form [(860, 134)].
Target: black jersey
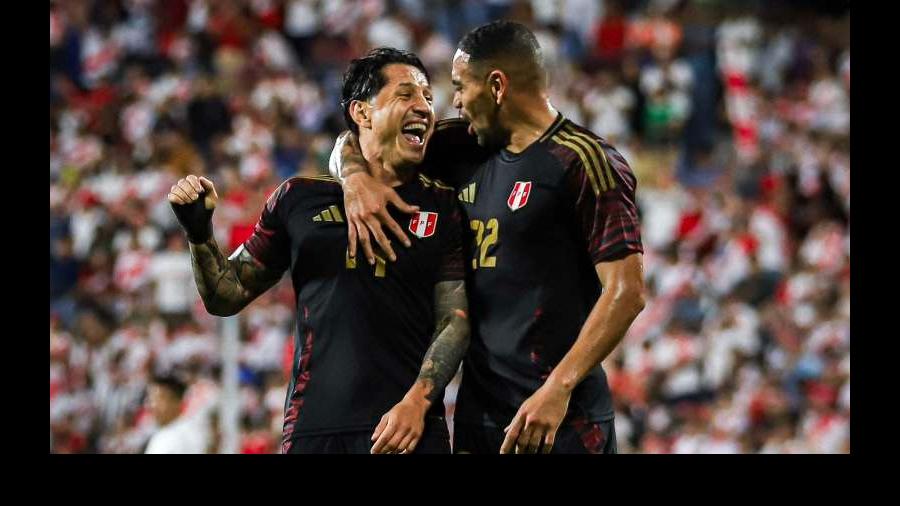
[(362, 330), (452, 154), (538, 222)]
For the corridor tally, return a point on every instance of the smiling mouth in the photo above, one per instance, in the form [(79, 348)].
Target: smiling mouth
[(414, 133)]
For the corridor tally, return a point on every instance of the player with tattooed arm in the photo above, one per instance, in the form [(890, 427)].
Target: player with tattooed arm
[(376, 342)]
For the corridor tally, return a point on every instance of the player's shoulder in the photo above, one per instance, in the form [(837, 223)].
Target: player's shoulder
[(437, 191), (580, 149), (453, 153), (295, 189), (570, 142), (454, 131), (308, 184), (451, 124), (571, 127), (435, 185), (319, 181)]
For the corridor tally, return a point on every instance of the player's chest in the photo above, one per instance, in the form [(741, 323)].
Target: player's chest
[(518, 199), (319, 245)]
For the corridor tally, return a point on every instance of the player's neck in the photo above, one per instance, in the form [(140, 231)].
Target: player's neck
[(380, 168), (529, 123), (393, 175)]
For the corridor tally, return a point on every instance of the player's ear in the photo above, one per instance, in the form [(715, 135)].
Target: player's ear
[(499, 85), (361, 112)]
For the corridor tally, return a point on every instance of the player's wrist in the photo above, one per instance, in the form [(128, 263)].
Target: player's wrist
[(418, 396), (199, 235), (195, 219), (352, 174), (560, 384)]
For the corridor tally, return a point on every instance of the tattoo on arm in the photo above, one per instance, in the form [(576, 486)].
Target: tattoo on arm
[(451, 338), (228, 285), (352, 160)]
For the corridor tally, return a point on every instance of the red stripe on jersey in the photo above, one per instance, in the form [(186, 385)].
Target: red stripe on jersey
[(622, 238), (293, 411)]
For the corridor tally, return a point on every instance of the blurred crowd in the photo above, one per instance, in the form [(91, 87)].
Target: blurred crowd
[(734, 115)]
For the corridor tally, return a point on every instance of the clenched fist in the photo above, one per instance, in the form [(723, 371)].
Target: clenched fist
[(193, 212)]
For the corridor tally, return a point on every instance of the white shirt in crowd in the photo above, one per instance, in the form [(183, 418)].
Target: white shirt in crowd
[(175, 290), (184, 435), (610, 110)]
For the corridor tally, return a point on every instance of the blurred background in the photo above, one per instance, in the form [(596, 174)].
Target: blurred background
[(734, 115)]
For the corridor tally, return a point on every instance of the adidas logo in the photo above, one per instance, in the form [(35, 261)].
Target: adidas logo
[(468, 194), (332, 214)]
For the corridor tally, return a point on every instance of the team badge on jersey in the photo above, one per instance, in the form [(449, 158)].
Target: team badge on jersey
[(423, 224), (519, 196)]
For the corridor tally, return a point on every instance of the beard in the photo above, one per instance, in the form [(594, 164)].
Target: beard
[(494, 137)]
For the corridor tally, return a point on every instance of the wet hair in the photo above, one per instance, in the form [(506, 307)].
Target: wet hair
[(364, 77)]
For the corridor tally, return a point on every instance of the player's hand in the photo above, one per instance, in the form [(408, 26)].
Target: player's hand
[(400, 428), (365, 202), (188, 189), (535, 424), (193, 213)]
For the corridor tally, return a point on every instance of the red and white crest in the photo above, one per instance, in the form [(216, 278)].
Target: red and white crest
[(519, 196), (423, 224)]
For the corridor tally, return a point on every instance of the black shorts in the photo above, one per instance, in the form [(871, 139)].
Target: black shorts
[(435, 440), (590, 438)]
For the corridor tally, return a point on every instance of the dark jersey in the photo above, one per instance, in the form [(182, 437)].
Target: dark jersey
[(362, 331), (538, 222), (453, 155)]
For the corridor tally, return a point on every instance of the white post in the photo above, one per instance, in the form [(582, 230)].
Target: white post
[(229, 407)]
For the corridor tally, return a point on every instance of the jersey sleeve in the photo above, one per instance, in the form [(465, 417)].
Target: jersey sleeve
[(269, 243), (605, 205), (452, 262)]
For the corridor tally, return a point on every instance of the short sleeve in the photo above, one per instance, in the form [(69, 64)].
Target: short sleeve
[(269, 243), (605, 205)]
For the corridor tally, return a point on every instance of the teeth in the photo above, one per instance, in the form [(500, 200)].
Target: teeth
[(418, 127)]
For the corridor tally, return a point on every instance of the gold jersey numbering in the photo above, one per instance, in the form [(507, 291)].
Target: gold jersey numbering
[(380, 265), (486, 235)]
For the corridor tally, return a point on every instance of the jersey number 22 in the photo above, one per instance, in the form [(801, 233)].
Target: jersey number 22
[(485, 237)]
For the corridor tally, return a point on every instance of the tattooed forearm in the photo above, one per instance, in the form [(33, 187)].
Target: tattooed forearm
[(451, 341), (228, 285), (352, 160)]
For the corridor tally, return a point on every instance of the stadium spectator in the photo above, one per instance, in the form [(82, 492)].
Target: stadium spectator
[(176, 433)]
